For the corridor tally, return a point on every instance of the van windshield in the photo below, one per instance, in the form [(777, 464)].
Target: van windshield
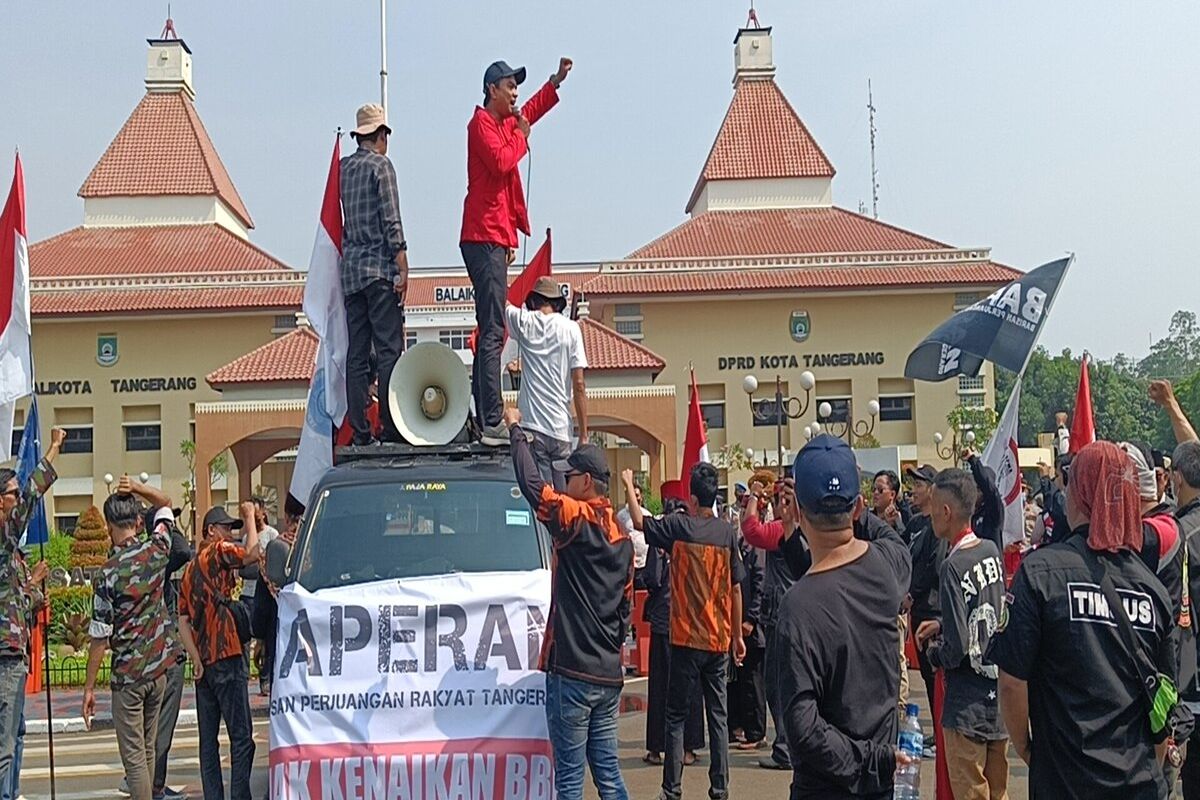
[(368, 532)]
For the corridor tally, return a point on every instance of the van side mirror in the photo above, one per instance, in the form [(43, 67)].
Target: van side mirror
[(277, 558)]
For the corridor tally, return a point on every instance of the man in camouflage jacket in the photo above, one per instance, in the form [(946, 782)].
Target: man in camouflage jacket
[(16, 507), (129, 615)]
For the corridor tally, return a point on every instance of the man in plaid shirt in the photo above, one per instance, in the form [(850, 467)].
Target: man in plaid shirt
[(374, 269)]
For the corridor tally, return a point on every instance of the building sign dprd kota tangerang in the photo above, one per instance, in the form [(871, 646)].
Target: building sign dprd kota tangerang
[(807, 360), (119, 386)]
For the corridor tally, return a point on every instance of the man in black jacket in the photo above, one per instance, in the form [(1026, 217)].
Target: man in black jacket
[(747, 695), (927, 553)]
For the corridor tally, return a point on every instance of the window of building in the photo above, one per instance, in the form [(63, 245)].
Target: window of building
[(840, 409), (79, 439), (968, 384), (143, 437), (766, 413), (627, 320), (284, 323), (964, 299), (65, 522), (896, 409), (454, 338), (16, 441), (713, 414), (410, 338), (971, 400)]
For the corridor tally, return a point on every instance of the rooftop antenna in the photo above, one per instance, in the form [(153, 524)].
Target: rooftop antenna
[(874, 171), (168, 31), (753, 18)]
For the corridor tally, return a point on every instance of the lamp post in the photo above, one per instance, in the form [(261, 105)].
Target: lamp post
[(859, 428), (785, 407), (950, 451), (108, 481)]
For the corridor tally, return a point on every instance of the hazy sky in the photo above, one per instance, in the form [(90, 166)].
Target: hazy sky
[(1030, 127)]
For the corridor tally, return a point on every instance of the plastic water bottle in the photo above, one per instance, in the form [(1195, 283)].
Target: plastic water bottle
[(912, 744)]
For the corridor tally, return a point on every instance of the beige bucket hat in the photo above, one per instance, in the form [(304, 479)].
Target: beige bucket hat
[(369, 119)]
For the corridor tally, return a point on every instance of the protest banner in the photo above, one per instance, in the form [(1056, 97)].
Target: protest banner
[(412, 689)]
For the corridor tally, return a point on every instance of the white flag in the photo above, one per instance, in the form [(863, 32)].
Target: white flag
[(1001, 455), (325, 308), (16, 359)]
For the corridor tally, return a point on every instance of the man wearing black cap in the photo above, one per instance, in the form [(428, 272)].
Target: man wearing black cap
[(209, 628), (591, 595), (837, 629), (493, 211), (550, 346), (374, 270)]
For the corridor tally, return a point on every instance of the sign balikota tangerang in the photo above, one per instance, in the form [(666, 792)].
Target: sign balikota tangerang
[(1001, 328), (420, 688)]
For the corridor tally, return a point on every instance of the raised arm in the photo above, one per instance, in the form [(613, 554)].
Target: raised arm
[(250, 526), (546, 98), (991, 505), (39, 482), (528, 477), (1163, 394), (155, 498)]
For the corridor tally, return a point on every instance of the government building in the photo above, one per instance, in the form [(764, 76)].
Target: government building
[(168, 343)]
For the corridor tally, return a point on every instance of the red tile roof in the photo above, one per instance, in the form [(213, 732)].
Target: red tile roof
[(147, 250), (781, 231), (808, 278), (289, 358), (234, 297), (163, 149), (608, 350), (762, 136)]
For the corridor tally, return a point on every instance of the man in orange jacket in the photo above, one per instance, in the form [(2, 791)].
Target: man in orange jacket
[(493, 211)]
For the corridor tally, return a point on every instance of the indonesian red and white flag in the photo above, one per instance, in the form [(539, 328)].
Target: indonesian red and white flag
[(695, 441), (325, 307), (1001, 455), (16, 359), (1083, 424)]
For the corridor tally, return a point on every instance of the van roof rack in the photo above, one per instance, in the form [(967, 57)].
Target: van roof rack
[(392, 451)]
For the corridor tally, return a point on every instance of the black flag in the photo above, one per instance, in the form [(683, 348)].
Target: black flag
[(1001, 328)]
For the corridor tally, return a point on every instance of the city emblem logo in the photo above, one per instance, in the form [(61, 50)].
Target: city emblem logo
[(106, 350), (799, 325)]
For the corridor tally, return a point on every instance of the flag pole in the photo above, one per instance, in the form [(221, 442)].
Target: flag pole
[(383, 74)]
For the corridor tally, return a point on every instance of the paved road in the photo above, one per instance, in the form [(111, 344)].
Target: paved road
[(88, 767)]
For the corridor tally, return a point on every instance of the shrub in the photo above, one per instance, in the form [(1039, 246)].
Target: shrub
[(67, 605), (58, 550), (90, 548)]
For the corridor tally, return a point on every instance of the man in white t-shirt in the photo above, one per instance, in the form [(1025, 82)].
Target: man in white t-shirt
[(625, 520), (550, 347)]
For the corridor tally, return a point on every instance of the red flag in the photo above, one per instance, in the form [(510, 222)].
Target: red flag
[(695, 442), (539, 267), (16, 360), (1083, 424)]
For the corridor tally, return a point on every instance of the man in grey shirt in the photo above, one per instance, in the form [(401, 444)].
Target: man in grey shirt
[(374, 270)]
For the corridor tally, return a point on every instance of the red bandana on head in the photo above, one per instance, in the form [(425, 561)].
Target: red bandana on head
[(1105, 489)]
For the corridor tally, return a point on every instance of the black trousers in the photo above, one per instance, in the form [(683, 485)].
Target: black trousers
[(689, 666), (487, 264), (656, 702), (375, 319), (748, 696), (779, 749), (222, 694)]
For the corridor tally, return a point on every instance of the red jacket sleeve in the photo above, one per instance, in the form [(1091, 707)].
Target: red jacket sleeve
[(766, 535), (486, 144), (542, 101)]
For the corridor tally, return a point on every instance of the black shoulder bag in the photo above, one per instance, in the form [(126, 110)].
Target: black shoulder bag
[(1158, 690), (236, 608)]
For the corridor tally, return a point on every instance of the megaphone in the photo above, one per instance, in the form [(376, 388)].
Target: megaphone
[(429, 394)]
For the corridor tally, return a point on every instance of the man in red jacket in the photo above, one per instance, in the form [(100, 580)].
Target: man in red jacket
[(493, 212)]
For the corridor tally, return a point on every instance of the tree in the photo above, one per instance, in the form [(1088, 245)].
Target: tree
[(980, 419), (1176, 356), (217, 469)]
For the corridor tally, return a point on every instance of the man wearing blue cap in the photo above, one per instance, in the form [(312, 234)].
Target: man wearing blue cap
[(838, 638), (493, 211)]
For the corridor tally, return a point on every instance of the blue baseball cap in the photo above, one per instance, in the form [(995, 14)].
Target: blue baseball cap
[(826, 475), (499, 70)]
